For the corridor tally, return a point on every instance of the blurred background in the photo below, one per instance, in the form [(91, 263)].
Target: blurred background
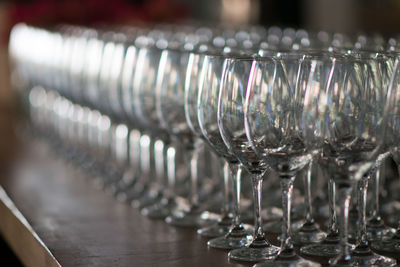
[(347, 16)]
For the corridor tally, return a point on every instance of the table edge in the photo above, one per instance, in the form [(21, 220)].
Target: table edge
[(21, 237)]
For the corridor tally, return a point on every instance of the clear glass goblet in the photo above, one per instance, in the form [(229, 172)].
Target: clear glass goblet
[(339, 113), (272, 117), (207, 100)]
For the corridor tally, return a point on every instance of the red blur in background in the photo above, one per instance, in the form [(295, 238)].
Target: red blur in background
[(91, 12)]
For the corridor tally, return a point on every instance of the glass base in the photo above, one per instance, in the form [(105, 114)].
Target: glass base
[(377, 230), (160, 210), (214, 230), (192, 219), (371, 259), (327, 249), (387, 246), (323, 250), (148, 199), (291, 262), (250, 254), (134, 192), (230, 242), (308, 233), (360, 259), (128, 180)]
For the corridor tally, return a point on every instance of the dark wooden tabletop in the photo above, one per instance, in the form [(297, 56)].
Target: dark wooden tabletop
[(72, 223)]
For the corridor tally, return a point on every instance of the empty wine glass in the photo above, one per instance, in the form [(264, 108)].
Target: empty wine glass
[(341, 114), (392, 245), (207, 100), (146, 191), (231, 101), (192, 84), (170, 100), (323, 73), (296, 69), (272, 112), (375, 72)]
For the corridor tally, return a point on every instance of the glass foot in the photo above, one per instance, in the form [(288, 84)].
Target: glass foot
[(387, 246), (214, 230), (148, 199), (291, 262), (323, 250), (218, 229), (160, 210), (230, 242), (327, 249), (253, 254), (377, 230), (221, 229), (132, 193), (370, 258), (128, 180), (191, 218), (308, 233)]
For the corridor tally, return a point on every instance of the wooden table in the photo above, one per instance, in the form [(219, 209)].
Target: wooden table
[(51, 215)]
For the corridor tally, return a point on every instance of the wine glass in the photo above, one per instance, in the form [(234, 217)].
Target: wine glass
[(207, 123), (391, 246), (230, 111), (170, 99), (192, 87), (376, 71), (146, 191), (339, 113), (272, 112), (324, 73), (296, 68), (375, 226)]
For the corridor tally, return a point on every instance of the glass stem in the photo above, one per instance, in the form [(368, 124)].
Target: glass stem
[(362, 241), (377, 175), (377, 182), (227, 173), (134, 136), (375, 195), (236, 182), (308, 198), (159, 152), (171, 172), (286, 241), (145, 158), (344, 206), (333, 225), (397, 233), (259, 236), (194, 176)]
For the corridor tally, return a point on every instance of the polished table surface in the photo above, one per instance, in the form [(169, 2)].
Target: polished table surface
[(83, 226), (52, 214)]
